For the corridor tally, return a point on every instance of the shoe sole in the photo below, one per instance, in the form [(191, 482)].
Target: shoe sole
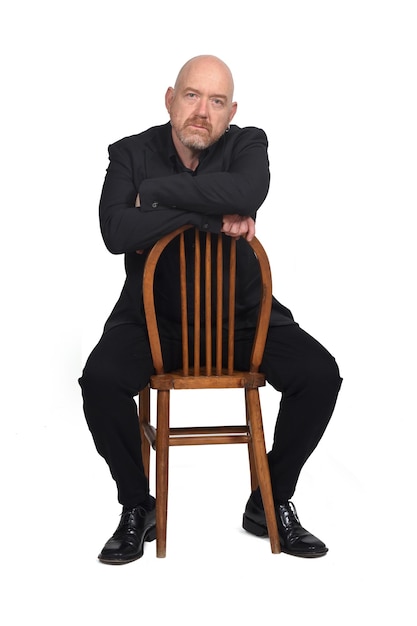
[(306, 555), (150, 536)]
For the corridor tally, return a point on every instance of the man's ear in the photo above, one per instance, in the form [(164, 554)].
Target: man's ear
[(169, 96), (233, 111)]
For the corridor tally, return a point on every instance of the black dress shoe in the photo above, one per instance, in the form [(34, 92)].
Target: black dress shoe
[(294, 539), (136, 526)]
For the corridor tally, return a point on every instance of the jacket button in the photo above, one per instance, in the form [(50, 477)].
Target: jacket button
[(155, 205)]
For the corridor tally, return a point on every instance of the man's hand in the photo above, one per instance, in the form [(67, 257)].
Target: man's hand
[(238, 226)]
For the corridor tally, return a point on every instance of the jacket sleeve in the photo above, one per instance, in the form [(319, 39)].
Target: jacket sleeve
[(241, 189), (126, 228)]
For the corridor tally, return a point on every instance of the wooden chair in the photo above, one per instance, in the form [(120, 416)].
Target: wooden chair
[(215, 371)]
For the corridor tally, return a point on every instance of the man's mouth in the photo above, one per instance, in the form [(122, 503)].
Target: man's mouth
[(199, 126)]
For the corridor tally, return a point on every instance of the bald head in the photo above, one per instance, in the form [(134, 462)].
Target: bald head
[(200, 105), (209, 65)]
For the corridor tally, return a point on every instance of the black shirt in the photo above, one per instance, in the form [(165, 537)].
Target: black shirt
[(232, 177)]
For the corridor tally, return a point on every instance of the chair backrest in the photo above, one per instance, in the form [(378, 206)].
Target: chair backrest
[(207, 270)]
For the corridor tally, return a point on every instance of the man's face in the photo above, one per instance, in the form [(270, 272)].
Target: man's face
[(200, 106)]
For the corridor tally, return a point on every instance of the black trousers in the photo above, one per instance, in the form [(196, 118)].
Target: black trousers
[(294, 363)]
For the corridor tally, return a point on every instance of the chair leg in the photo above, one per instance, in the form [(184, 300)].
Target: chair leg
[(162, 454), (262, 467), (144, 419), (252, 466)]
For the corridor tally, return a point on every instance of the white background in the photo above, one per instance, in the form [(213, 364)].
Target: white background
[(333, 83)]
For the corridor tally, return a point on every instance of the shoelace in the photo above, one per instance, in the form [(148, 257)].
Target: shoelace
[(127, 518), (289, 514)]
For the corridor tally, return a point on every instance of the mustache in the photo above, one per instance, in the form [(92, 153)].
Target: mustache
[(197, 121)]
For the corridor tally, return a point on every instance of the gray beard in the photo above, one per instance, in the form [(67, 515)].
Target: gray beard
[(195, 142)]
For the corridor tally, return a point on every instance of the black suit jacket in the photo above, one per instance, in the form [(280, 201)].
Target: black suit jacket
[(232, 177)]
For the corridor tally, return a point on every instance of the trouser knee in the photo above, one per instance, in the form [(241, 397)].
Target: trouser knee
[(330, 375)]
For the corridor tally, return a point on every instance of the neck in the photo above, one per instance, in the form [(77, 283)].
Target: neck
[(190, 158), (191, 163)]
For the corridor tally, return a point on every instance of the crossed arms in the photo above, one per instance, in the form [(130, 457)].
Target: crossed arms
[(136, 209)]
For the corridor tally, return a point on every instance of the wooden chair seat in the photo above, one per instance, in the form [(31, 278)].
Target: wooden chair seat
[(207, 368)]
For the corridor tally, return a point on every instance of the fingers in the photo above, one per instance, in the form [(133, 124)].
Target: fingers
[(251, 229), (238, 226), (233, 226)]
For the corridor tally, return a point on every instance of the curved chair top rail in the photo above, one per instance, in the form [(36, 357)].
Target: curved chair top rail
[(265, 302)]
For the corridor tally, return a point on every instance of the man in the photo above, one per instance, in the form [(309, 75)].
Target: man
[(199, 170)]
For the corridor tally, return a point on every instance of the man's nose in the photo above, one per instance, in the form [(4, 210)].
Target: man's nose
[(202, 107)]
